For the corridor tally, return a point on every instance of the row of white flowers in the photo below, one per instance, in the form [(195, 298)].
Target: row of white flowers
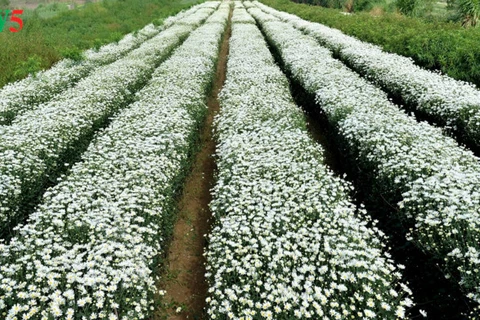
[(40, 141), (26, 94), (241, 15), (179, 17), (287, 242), (91, 249), (439, 181), (449, 102)]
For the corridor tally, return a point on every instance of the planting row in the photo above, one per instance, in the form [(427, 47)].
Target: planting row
[(182, 16), (435, 183), (287, 242), (446, 101), (91, 249), (240, 14), (26, 94), (41, 142)]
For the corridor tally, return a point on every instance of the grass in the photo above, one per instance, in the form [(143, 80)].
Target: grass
[(51, 29), (46, 11)]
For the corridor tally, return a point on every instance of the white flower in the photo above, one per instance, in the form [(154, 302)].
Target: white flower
[(99, 231), (287, 241), (439, 180)]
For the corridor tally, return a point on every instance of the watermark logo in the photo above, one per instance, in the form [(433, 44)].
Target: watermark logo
[(12, 16)]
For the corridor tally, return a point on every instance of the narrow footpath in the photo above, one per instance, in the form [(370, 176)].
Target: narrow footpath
[(183, 277)]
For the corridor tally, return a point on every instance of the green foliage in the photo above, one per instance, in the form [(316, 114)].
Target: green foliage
[(407, 6), (157, 22), (469, 11), (31, 66), (97, 43), (50, 32), (72, 53), (116, 36), (416, 8), (434, 45), (348, 5)]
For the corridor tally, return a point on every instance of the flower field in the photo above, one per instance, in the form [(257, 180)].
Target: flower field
[(84, 259), (40, 141), (439, 181), (94, 155), (448, 102), (287, 243)]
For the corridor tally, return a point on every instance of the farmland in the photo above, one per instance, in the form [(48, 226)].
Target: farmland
[(52, 31), (233, 161)]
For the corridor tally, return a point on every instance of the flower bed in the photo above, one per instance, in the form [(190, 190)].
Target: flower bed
[(39, 142), (287, 242), (438, 181), (448, 102), (91, 249)]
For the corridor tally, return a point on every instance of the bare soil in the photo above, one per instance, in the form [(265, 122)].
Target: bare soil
[(183, 276)]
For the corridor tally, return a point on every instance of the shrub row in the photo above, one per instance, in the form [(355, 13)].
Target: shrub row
[(433, 45)]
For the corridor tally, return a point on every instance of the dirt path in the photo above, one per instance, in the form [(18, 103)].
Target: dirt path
[(183, 278)]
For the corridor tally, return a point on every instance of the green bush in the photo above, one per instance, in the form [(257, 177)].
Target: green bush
[(348, 5), (444, 46), (406, 6), (157, 22), (29, 67), (73, 53), (97, 43)]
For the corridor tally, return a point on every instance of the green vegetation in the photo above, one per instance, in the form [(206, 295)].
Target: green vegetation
[(469, 11), (464, 12), (31, 66), (352, 5), (432, 44), (72, 53), (49, 34), (45, 11), (407, 6), (423, 8)]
